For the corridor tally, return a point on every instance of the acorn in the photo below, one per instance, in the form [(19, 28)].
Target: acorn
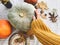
[(6, 3)]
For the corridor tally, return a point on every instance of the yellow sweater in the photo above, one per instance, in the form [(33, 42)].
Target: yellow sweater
[(44, 34)]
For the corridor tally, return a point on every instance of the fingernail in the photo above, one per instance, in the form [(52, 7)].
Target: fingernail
[(33, 17)]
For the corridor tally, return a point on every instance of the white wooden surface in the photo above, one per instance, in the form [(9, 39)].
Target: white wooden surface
[(54, 26)]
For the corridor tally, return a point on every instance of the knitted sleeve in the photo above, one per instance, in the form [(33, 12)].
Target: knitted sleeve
[(43, 33)]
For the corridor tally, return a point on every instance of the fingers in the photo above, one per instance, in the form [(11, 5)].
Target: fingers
[(34, 17), (37, 14)]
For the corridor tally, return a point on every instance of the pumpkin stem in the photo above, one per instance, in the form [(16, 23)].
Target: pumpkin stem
[(21, 14)]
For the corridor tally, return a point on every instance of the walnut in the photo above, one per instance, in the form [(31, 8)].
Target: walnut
[(42, 5)]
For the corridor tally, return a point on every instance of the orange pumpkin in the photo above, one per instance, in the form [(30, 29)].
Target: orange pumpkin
[(5, 29), (31, 1)]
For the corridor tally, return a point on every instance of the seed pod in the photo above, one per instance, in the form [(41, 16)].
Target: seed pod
[(16, 39)]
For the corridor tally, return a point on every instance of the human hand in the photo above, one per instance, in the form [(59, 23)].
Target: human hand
[(37, 23)]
